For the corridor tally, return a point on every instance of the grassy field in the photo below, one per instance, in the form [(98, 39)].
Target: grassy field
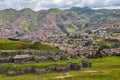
[(6, 44), (103, 69)]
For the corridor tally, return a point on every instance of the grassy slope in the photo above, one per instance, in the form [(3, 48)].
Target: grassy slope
[(6, 44), (108, 42), (103, 69)]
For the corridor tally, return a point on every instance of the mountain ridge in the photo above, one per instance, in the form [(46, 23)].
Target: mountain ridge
[(27, 23)]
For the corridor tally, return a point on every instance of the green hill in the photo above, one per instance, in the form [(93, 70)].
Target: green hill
[(6, 44)]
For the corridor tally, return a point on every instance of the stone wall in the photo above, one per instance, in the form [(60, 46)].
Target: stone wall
[(70, 66)]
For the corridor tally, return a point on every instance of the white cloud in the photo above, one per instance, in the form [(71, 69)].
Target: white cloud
[(63, 4), (111, 7)]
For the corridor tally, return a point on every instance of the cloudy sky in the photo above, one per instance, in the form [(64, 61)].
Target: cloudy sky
[(62, 4)]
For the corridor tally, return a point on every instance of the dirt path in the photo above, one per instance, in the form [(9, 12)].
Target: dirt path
[(92, 71), (62, 76)]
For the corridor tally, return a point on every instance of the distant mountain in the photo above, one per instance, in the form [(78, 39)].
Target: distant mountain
[(28, 23)]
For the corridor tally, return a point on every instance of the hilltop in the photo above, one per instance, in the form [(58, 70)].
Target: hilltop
[(7, 44)]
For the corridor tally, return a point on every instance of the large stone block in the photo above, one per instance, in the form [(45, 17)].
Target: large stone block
[(86, 64)]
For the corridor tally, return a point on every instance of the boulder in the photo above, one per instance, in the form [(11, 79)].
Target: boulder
[(74, 66), (27, 70), (61, 69), (38, 72), (3, 70), (12, 73), (86, 64)]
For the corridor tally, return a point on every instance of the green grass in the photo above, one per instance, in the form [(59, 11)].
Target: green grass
[(6, 44), (40, 46), (103, 69), (111, 43)]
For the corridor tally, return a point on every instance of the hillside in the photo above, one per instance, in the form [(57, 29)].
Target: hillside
[(27, 23), (6, 44)]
